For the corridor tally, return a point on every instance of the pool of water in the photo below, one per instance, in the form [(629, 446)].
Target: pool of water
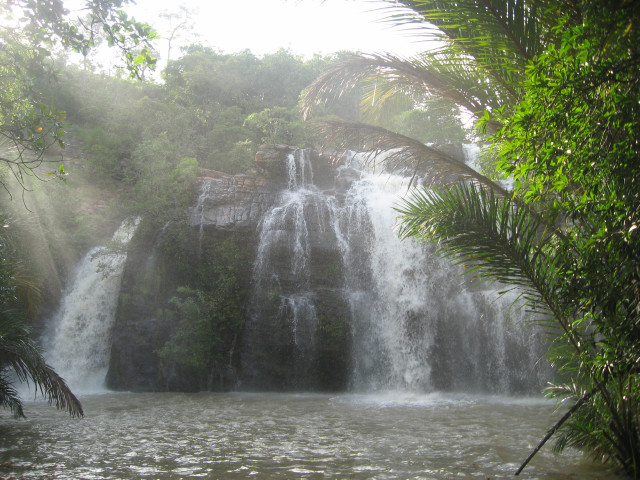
[(257, 435)]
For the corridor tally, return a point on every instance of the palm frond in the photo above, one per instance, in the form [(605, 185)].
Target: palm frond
[(492, 237), (18, 352), (454, 77), (492, 31), (403, 17), (400, 153), (497, 36), (10, 398), (592, 426)]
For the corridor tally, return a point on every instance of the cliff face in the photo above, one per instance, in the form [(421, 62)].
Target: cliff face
[(238, 202), (231, 202), (291, 278)]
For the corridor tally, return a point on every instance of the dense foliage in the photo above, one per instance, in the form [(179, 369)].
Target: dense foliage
[(572, 147), (30, 32), (214, 108)]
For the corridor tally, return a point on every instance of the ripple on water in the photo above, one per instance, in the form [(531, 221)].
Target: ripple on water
[(387, 436)]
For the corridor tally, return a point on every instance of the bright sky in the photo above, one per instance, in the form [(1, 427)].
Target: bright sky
[(304, 27)]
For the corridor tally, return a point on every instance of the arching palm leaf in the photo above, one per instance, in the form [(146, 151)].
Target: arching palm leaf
[(502, 35), (443, 74), (10, 398), (400, 153), (493, 238), (19, 353)]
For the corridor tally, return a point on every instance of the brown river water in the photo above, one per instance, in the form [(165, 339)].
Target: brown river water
[(297, 436)]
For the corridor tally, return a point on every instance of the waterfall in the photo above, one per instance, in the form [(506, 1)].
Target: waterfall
[(79, 344), (472, 158), (284, 250), (386, 285), (417, 324), (197, 217)]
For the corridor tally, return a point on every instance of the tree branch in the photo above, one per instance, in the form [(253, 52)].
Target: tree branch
[(555, 428)]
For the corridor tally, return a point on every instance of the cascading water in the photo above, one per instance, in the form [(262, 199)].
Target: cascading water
[(385, 285), (472, 158), (284, 250), (79, 344), (419, 324), (197, 217), (416, 323)]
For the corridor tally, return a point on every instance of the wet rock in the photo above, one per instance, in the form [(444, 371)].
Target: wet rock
[(232, 202)]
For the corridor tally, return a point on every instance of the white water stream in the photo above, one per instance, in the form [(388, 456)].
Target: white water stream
[(80, 343)]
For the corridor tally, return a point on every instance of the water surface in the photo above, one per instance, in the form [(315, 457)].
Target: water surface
[(240, 435)]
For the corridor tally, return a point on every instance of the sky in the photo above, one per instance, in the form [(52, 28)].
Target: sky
[(305, 27)]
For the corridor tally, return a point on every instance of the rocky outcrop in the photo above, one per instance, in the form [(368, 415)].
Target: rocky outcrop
[(270, 159), (237, 202), (181, 291), (231, 202)]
